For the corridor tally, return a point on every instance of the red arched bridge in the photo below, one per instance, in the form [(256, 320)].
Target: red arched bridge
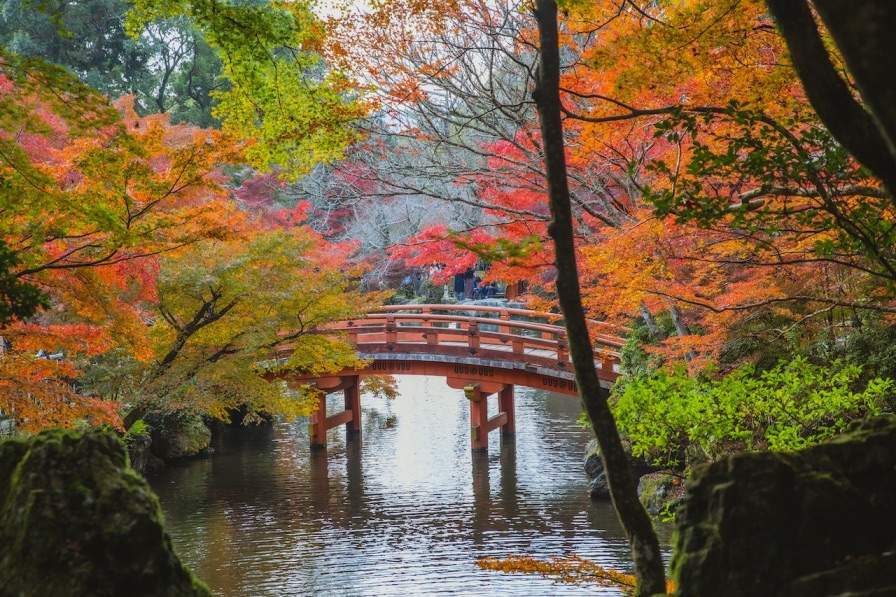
[(483, 350)]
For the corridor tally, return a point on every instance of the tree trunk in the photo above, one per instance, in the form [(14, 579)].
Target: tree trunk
[(635, 520), (863, 32), (682, 329), (651, 323)]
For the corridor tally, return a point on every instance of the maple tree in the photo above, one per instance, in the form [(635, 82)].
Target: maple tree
[(226, 309), (661, 131), (113, 208), (129, 225), (731, 173), (442, 129), (85, 207)]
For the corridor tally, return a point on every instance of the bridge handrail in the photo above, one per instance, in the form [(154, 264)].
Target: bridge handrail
[(376, 320), (449, 334), (428, 308)]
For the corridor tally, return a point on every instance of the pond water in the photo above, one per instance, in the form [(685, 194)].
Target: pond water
[(406, 509)]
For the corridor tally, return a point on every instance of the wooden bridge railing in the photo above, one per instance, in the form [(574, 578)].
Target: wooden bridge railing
[(474, 331)]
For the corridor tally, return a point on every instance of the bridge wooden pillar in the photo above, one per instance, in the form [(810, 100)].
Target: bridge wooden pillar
[(473, 337), (319, 423), (504, 316), (352, 403), (480, 423), (506, 405)]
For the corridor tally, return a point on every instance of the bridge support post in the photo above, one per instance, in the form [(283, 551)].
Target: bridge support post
[(480, 423), (478, 417), (352, 395), (319, 423), (506, 405)]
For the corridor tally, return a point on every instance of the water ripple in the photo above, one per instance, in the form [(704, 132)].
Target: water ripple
[(407, 510)]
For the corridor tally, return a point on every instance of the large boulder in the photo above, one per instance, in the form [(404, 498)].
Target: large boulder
[(180, 437), (815, 523), (76, 520)]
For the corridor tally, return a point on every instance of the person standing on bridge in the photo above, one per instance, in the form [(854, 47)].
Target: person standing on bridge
[(469, 282), (459, 287)]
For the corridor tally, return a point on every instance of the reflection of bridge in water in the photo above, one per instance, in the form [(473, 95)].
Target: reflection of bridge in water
[(482, 350)]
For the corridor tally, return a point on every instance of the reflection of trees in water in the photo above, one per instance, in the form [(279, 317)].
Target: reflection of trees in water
[(262, 487), (231, 476), (265, 489), (375, 420)]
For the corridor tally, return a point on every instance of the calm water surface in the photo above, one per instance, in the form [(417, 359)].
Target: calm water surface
[(404, 510)]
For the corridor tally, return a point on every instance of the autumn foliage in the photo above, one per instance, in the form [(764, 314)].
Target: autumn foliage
[(711, 206), (702, 181), (130, 232), (155, 267), (571, 569)]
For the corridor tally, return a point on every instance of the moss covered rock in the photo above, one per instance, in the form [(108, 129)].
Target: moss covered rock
[(815, 523), (140, 454), (76, 520), (180, 438), (660, 492), (598, 487)]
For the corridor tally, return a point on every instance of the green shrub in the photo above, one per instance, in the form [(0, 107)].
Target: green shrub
[(138, 429), (792, 406)]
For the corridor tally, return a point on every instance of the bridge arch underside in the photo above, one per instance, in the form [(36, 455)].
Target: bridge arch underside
[(477, 377), (459, 372)]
